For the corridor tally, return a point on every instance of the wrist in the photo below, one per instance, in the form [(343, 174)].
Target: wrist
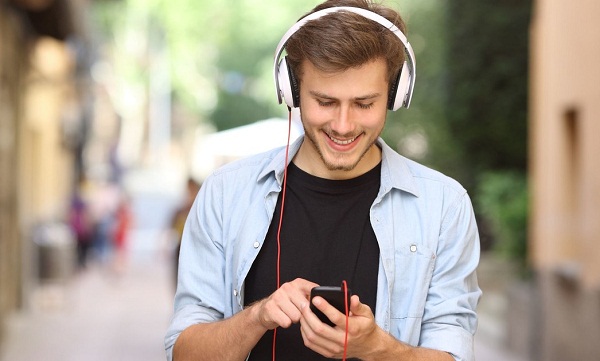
[(254, 316), (386, 347)]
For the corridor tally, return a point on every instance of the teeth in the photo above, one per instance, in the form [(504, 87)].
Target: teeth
[(342, 142)]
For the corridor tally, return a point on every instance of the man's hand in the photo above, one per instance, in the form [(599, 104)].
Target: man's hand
[(284, 307), (234, 337), (366, 340), (329, 341)]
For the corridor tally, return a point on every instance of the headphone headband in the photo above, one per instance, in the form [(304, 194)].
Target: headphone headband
[(406, 79)]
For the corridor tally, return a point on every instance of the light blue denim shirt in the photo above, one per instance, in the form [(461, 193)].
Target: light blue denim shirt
[(427, 289)]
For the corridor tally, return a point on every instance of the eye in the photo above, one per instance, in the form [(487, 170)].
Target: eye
[(325, 103), (364, 106)]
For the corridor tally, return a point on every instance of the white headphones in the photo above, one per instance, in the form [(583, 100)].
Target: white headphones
[(400, 92)]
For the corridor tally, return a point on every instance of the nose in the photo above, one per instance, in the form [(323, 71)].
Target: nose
[(344, 123)]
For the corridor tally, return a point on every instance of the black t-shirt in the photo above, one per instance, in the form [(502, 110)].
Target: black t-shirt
[(326, 237)]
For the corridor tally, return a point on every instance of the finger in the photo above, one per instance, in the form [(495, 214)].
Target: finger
[(334, 315), (285, 305), (360, 309), (271, 314), (298, 292), (303, 285), (320, 337)]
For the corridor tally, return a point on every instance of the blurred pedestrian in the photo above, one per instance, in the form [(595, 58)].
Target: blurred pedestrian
[(120, 233), (103, 202), (81, 224), (179, 217)]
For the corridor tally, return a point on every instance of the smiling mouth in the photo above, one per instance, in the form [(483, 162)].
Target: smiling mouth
[(341, 142)]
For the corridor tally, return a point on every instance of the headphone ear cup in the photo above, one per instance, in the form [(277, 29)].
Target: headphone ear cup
[(288, 85), (392, 94), (402, 86)]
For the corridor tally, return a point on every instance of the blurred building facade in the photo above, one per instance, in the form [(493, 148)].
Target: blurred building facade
[(565, 179), (42, 121), (12, 57)]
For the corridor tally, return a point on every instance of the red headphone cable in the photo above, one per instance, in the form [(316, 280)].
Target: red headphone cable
[(347, 312), (278, 276), (287, 149)]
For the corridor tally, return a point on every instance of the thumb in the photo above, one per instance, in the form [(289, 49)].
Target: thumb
[(359, 309)]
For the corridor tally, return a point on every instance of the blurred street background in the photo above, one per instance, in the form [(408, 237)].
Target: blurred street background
[(112, 113)]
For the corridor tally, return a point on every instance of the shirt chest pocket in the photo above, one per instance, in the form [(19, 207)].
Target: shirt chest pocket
[(413, 272)]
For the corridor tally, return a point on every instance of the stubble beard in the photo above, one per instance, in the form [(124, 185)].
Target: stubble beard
[(331, 166)]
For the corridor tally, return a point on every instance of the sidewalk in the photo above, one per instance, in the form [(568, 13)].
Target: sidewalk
[(495, 278), (97, 316)]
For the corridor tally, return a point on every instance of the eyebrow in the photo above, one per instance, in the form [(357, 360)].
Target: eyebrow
[(360, 98)]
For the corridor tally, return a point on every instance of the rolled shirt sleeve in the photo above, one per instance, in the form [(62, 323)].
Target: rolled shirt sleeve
[(450, 319)]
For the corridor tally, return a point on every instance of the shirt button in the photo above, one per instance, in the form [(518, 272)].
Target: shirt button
[(413, 248), (256, 244), (235, 292)]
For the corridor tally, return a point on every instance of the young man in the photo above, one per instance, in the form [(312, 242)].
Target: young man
[(401, 235)]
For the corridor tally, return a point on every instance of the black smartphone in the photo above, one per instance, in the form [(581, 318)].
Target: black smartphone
[(332, 294)]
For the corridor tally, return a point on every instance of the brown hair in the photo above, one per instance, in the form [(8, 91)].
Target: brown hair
[(343, 40)]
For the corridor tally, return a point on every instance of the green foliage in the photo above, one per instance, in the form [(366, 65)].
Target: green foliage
[(487, 83), (503, 202), (246, 49), (470, 98), (202, 43), (232, 106), (427, 115)]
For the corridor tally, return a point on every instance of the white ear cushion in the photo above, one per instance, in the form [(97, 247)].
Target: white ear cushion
[(403, 85), (285, 88)]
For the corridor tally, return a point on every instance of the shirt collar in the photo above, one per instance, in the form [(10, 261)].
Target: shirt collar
[(277, 164), (395, 170)]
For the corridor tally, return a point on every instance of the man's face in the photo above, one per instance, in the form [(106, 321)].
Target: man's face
[(343, 114)]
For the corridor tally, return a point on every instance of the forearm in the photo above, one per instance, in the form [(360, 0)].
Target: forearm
[(387, 347), (230, 339)]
